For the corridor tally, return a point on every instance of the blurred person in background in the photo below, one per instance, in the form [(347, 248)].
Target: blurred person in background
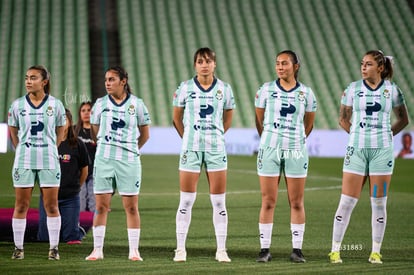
[(74, 161), (85, 133), (406, 150)]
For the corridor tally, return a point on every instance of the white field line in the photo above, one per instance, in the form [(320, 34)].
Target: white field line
[(333, 187)]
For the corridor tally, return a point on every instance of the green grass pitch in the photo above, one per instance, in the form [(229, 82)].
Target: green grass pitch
[(158, 203)]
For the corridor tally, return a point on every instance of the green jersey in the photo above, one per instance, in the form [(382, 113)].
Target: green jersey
[(283, 126), (118, 126), (203, 114), (36, 132), (371, 113)]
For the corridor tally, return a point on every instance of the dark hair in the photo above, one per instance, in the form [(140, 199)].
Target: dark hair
[(383, 60), (407, 134), (79, 123), (45, 75), (71, 136), (204, 52), (122, 73), (294, 58)]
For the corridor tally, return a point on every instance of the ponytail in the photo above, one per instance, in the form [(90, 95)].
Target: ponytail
[(45, 75), (122, 73), (385, 61)]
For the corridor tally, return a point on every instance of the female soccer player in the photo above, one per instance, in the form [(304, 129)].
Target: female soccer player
[(203, 110), (285, 111), (36, 123), (365, 112), (85, 133), (122, 123)]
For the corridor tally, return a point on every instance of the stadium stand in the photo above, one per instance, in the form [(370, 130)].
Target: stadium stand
[(329, 36), (51, 33), (158, 39)]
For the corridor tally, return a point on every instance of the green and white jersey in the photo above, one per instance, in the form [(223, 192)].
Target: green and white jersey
[(371, 113), (37, 132), (203, 114), (283, 126), (118, 126)]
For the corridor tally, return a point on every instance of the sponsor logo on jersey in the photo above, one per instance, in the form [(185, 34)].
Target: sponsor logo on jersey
[(206, 110), (117, 123), (37, 126), (372, 107), (184, 158), (286, 109), (259, 164), (278, 125), (16, 175), (205, 127)]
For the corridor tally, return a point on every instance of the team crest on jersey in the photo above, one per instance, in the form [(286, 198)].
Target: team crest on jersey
[(219, 95), (49, 111), (131, 110), (301, 96), (386, 93)]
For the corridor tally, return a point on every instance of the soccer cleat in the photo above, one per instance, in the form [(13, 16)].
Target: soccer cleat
[(134, 255), (297, 256), (335, 257), (54, 254), (180, 255), (264, 256), (18, 254), (74, 242), (375, 258), (222, 257), (96, 254)]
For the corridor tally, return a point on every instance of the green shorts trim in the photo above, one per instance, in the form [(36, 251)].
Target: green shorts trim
[(110, 175), (369, 161), (192, 161), (23, 178), (271, 162)]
